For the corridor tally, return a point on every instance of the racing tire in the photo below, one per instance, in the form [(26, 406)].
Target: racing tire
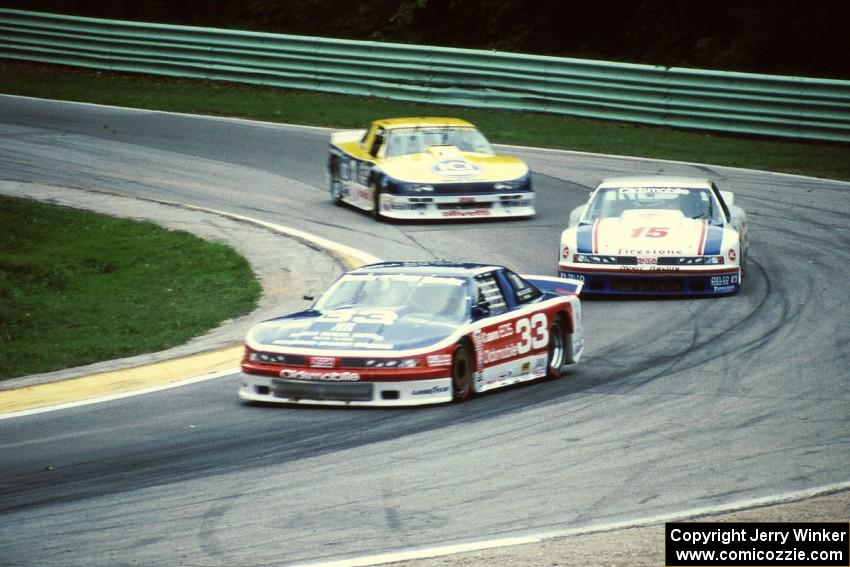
[(461, 373), (557, 351), (336, 188), (376, 202)]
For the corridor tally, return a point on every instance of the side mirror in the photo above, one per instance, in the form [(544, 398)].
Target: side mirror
[(481, 309)]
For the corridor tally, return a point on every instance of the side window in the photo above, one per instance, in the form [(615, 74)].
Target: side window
[(487, 288), (525, 292)]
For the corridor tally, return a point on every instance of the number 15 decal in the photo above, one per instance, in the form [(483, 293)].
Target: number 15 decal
[(652, 232), (534, 333)]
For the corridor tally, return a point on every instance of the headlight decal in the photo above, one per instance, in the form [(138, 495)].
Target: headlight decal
[(379, 363)]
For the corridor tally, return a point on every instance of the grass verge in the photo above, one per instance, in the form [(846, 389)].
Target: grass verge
[(79, 287), (320, 109)]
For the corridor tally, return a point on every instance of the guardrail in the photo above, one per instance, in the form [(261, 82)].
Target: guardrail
[(743, 103)]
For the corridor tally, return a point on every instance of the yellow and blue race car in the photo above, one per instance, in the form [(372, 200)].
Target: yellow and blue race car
[(426, 168)]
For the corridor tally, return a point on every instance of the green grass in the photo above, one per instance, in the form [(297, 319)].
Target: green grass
[(78, 287), (340, 111), (311, 108)]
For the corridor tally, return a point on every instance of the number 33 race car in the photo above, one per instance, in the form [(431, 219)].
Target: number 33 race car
[(426, 168), (415, 333), (656, 235)]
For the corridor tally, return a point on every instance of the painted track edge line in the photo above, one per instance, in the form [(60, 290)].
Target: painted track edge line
[(350, 258), (121, 395), (511, 541)]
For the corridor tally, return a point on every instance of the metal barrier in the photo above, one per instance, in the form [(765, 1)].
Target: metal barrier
[(742, 103)]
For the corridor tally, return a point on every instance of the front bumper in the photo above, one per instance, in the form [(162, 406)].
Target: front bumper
[(497, 205), (271, 389), (626, 280)]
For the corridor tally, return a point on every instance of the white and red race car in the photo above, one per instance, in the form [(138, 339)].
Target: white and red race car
[(401, 333), (657, 235)]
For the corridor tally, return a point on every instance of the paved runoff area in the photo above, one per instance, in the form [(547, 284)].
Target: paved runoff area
[(289, 268)]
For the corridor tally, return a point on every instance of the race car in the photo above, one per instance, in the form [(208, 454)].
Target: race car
[(414, 333), (426, 168), (657, 235)]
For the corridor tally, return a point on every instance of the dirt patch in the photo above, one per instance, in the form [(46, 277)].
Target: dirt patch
[(635, 547)]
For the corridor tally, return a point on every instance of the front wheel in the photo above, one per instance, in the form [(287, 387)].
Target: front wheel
[(557, 351), (461, 374), (336, 190), (336, 183)]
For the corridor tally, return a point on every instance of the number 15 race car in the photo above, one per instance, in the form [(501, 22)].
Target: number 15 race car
[(427, 168), (415, 333), (656, 235)]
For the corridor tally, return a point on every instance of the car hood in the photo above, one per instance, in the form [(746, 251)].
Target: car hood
[(386, 330), (447, 164), (649, 233)]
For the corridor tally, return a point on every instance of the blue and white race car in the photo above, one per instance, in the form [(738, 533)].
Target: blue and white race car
[(415, 333), (656, 235)]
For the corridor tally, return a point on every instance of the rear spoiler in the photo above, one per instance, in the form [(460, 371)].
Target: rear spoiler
[(558, 286)]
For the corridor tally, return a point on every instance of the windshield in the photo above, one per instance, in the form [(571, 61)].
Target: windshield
[(405, 141), (435, 297), (693, 203)]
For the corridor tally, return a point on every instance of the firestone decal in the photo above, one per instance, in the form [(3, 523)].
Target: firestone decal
[(650, 252)]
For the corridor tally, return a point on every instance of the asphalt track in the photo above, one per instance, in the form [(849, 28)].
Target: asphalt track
[(677, 405)]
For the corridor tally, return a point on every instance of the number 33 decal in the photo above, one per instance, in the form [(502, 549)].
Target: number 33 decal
[(534, 333), (362, 316)]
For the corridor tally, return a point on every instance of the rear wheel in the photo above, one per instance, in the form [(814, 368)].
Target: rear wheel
[(461, 373), (376, 201), (336, 184), (557, 351)]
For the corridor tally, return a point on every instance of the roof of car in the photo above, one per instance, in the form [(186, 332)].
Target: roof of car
[(430, 268), (656, 181), (412, 122)]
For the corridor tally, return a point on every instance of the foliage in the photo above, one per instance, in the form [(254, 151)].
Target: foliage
[(792, 37), (339, 111)]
